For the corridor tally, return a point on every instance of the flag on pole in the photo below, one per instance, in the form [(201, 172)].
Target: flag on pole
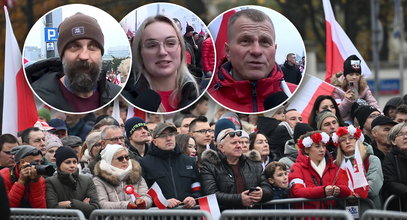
[(338, 45), (19, 109), (218, 29), (135, 112), (304, 99), (116, 110), (360, 184), (210, 204), (159, 200)]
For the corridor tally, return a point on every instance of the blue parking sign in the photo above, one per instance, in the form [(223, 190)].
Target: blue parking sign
[(50, 34)]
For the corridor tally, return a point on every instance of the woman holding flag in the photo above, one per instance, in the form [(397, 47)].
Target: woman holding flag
[(365, 176), (313, 175), (118, 180)]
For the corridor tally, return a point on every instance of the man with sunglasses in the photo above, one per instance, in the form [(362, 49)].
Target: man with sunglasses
[(25, 188), (7, 143), (173, 171), (236, 180)]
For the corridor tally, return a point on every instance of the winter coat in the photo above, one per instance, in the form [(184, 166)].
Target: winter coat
[(111, 190), (72, 187), (4, 203), (132, 92), (266, 125), (345, 105), (278, 138), (217, 177), (173, 171), (292, 74), (395, 175), (208, 55), (290, 154), (305, 182), (30, 195), (245, 95), (44, 78)]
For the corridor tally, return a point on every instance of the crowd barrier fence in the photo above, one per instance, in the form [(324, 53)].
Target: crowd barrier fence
[(155, 214), (383, 215), (40, 214), (285, 214), (390, 199)]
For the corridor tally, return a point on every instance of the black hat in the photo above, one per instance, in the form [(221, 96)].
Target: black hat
[(132, 124), (64, 153), (223, 124), (358, 103), (58, 124), (300, 129), (189, 28), (22, 151), (352, 65), (362, 113), (383, 120)]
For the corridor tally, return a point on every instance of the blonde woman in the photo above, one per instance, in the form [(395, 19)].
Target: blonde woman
[(160, 73)]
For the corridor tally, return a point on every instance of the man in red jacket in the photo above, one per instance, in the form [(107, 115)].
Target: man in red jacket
[(250, 80), (24, 186)]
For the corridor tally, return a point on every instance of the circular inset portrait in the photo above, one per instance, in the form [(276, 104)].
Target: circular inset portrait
[(77, 58), (259, 64), (173, 57)]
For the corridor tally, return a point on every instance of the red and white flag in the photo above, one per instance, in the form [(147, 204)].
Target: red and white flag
[(116, 110), (219, 31), (19, 109), (196, 186), (159, 200), (310, 89), (210, 204), (135, 112), (338, 45)]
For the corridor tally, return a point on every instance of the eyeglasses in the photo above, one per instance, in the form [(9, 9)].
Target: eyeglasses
[(204, 131), (121, 158), (402, 134), (115, 139), (6, 152), (165, 135), (152, 46), (232, 134), (97, 145)]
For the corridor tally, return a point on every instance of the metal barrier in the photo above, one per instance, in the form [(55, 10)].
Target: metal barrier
[(285, 214), (292, 201), (389, 200), (33, 214), (383, 215), (115, 214)]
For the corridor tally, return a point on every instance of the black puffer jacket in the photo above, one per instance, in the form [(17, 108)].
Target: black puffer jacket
[(44, 76), (217, 177), (173, 171), (395, 175)]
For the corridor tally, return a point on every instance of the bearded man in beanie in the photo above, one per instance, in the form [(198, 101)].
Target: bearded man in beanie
[(68, 189), (73, 82), (138, 136), (24, 186)]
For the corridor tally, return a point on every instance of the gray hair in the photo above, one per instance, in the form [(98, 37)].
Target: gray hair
[(394, 132), (106, 129)]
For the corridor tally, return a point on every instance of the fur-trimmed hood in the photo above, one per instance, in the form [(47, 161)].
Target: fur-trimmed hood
[(215, 157), (133, 177)]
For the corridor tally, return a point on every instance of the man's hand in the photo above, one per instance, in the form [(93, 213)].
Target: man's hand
[(246, 199), (256, 195), (24, 175), (173, 202), (65, 204), (189, 202)]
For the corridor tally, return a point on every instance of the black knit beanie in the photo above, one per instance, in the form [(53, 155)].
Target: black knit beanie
[(64, 153)]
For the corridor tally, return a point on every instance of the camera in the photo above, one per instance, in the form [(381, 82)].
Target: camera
[(43, 170)]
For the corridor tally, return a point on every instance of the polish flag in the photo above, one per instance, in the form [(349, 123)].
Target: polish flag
[(338, 45), (19, 109), (210, 204), (159, 200), (135, 112), (360, 184), (196, 187), (218, 29), (116, 110), (310, 89)]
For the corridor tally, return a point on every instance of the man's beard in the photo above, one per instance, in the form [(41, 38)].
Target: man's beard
[(82, 75)]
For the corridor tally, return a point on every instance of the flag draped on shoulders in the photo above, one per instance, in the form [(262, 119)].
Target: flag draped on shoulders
[(19, 109), (338, 45)]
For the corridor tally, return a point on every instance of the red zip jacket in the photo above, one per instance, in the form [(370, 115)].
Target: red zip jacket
[(305, 182), (33, 192), (245, 95)]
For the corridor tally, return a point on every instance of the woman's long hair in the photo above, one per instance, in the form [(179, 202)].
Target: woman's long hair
[(340, 154), (317, 103), (183, 74), (362, 84)]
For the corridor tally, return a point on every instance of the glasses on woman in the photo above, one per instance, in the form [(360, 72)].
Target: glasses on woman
[(153, 46), (121, 158), (402, 134)]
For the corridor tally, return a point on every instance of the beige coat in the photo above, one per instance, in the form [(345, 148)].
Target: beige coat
[(111, 190)]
